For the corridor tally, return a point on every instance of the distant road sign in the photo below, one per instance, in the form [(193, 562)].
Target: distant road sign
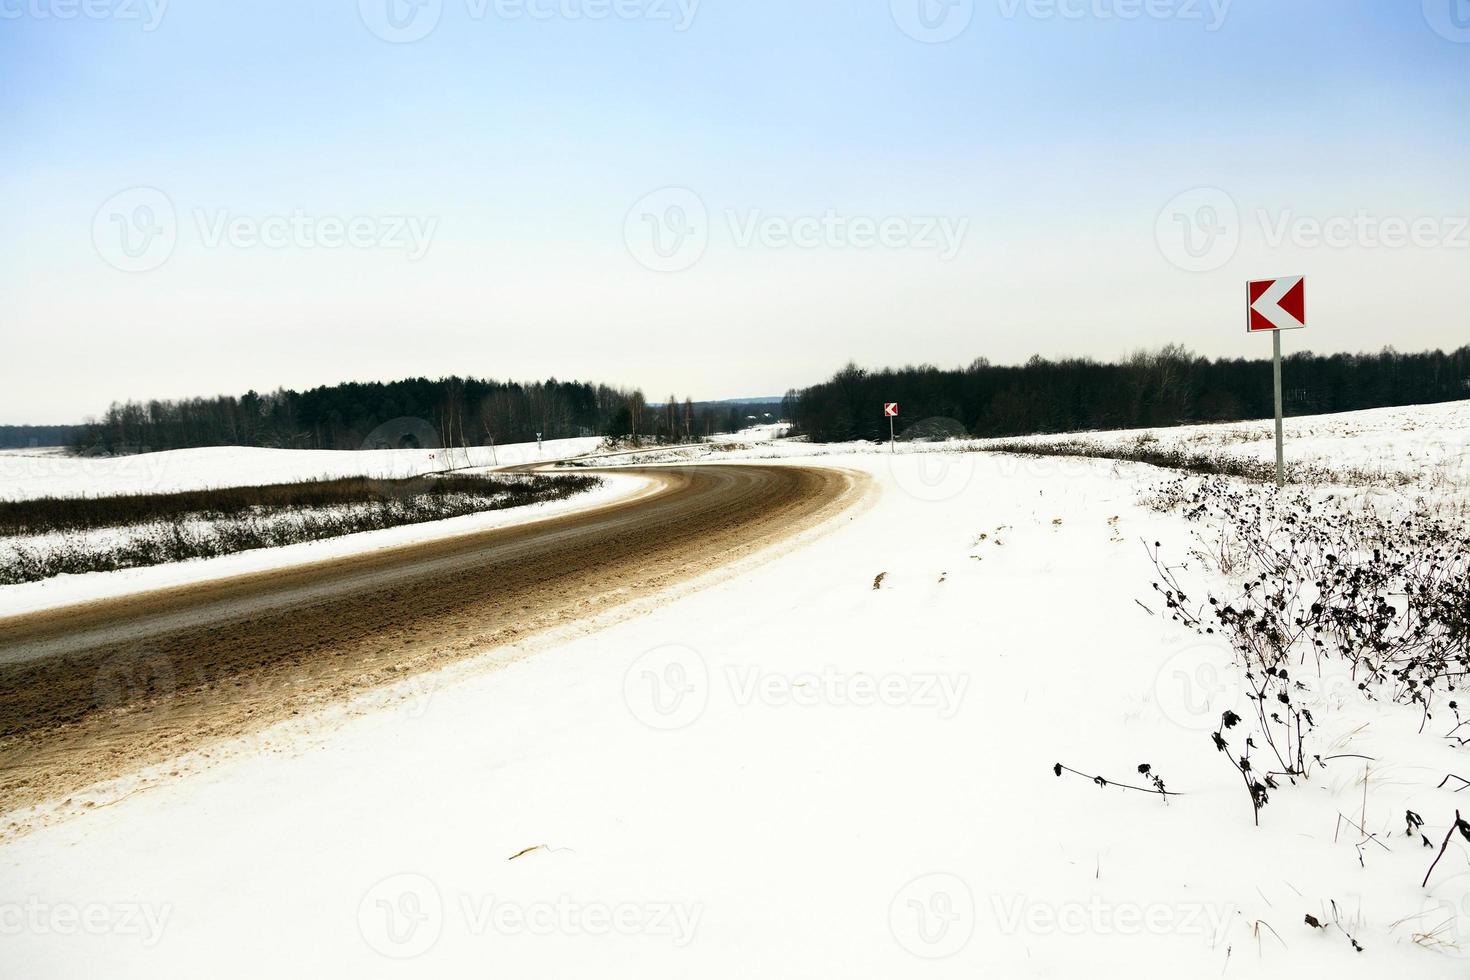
[(890, 410), (1277, 304)]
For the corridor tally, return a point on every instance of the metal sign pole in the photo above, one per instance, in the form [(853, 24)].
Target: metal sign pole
[(1276, 370), (892, 446)]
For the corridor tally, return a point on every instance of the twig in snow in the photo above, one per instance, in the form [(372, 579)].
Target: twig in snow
[(1344, 819), (1463, 828), (541, 847), (1256, 931), (1101, 781)]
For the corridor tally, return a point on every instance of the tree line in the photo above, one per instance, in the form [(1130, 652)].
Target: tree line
[(1149, 389), (412, 413), (28, 436), (1166, 387)]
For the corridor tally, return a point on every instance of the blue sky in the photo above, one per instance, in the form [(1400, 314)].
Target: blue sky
[(522, 145)]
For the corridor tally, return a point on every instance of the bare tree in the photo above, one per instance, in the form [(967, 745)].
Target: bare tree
[(636, 405)]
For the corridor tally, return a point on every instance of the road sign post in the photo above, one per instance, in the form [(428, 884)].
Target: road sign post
[(1276, 374), (1274, 305), (890, 409)]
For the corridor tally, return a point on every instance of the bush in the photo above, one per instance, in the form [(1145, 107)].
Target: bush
[(1385, 597)]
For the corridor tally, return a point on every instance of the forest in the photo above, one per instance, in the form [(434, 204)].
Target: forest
[(29, 436), (1166, 387), (412, 413)]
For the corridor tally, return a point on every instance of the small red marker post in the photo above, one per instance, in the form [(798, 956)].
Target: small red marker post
[(890, 409)]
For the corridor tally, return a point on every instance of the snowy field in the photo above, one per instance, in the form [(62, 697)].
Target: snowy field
[(27, 473), (837, 762), (1425, 447), (30, 473)]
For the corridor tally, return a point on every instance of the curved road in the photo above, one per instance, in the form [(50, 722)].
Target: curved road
[(93, 691)]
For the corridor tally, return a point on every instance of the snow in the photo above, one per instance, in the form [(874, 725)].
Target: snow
[(1425, 444), (755, 433), (791, 773), (29, 474)]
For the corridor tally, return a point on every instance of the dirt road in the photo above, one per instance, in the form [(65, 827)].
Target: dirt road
[(100, 690)]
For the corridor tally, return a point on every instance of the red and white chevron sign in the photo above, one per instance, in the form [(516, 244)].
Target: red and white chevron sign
[(1277, 304), (890, 409)]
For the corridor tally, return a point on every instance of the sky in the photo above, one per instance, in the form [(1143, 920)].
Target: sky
[(712, 198)]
